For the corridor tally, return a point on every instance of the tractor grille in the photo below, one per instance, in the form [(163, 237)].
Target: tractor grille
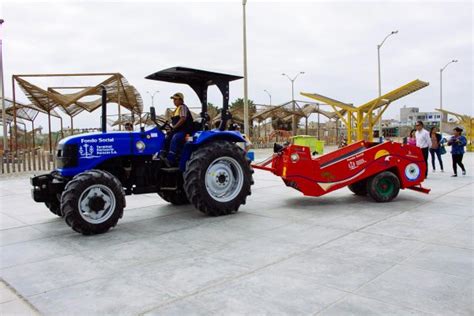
[(66, 156)]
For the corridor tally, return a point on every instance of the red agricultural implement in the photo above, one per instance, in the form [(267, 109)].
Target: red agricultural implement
[(377, 169)]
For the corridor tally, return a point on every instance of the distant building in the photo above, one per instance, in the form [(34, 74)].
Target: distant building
[(409, 116)]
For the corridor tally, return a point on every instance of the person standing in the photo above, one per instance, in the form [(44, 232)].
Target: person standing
[(435, 148), (411, 139), (457, 143), (423, 141)]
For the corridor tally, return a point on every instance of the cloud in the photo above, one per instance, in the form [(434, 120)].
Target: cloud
[(333, 42)]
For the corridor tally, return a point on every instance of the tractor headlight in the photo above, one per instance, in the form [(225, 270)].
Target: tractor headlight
[(294, 157)]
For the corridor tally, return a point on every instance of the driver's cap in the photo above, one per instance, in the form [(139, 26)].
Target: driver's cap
[(177, 95)]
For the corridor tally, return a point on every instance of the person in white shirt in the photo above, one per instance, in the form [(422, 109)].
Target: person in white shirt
[(423, 141)]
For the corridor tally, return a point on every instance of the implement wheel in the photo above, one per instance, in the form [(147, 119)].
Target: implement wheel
[(384, 186), (359, 188), (93, 202), (218, 177)]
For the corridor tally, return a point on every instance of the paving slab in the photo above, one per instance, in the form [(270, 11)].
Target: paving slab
[(423, 290)]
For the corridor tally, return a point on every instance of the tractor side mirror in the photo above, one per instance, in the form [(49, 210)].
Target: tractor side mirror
[(153, 113)]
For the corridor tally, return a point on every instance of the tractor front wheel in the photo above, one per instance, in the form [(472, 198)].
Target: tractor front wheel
[(218, 178), (383, 187), (93, 202)]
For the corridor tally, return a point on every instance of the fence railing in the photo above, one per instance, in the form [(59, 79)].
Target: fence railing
[(27, 160)]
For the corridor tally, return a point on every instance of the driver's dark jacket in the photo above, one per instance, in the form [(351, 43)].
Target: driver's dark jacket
[(180, 111)]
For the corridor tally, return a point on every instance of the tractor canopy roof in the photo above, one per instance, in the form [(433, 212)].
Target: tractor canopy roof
[(191, 76), (199, 81)]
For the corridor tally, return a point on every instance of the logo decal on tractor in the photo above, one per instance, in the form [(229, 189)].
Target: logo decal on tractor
[(87, 151)]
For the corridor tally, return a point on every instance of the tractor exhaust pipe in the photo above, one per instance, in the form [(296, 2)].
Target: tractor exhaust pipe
[(104, 110)]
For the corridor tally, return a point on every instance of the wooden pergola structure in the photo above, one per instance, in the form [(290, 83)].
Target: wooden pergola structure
[(118, 91), (26, 112), (362, 119)]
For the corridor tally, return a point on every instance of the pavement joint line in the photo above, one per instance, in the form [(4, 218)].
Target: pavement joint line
[(14, 218), (243, 275), (428, 242), (19, 296), (398, 264), (226, 280), (366, 283)]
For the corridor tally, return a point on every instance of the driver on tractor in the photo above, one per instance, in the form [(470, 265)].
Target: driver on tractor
[(181, 124)]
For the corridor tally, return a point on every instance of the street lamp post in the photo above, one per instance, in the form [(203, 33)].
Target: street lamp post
[(380, 78), (269, 95), (293, 118), (2, 86), (441, 92), (152, 96), (246, 97)]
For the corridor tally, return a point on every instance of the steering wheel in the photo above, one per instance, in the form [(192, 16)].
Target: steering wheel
[(166, 126)]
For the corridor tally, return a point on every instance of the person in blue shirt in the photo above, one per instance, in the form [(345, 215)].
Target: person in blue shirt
[(457, 143)]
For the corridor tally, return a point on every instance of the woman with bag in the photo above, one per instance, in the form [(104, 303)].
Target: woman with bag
[(435, 149), (457, 143)]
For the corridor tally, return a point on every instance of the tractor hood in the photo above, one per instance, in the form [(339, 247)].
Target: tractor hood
[(82, 152)]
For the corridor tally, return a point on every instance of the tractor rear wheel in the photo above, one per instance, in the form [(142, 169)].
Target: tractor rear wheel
[(93, 202), (359, 188), (383, 187), (218, 178), (177, 197)]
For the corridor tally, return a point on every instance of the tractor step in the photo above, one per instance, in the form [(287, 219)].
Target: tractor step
[(170, 170), (169, 188)]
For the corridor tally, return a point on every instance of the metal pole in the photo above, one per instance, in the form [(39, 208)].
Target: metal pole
[(380, 80), (118, 104), (246, 101), (62, 129), (2, 86), (15, 146), (380, 91), (49, 132), (269, 95), (34, 132), (293, 117), (319, 128), (441, 100), (441, 92), (293, 108)]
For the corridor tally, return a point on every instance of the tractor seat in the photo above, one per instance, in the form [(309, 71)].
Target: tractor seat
[(197, 125)]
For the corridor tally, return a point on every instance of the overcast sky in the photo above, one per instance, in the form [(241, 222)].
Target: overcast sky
[(334, 43)]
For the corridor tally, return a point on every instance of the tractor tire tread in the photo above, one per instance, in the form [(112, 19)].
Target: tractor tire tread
[(195, 171), (372, 190), (72, 192)]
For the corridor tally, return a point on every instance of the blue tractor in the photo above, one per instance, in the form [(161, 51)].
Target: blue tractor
[(97, 170)]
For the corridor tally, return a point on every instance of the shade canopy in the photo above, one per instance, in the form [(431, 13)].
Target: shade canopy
[(118, 91)]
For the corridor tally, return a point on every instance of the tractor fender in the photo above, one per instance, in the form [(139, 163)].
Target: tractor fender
[(204, 137)]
